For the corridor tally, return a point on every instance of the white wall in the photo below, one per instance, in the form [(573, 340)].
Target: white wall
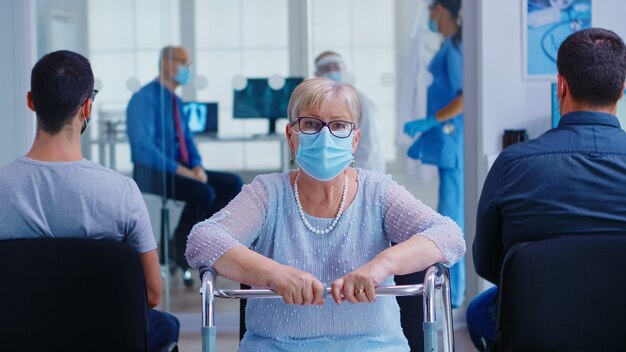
[(610, 14), (17, 40), (508, 102)]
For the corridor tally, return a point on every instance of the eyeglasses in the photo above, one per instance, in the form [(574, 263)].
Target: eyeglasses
[(312, 125), (91, 96)]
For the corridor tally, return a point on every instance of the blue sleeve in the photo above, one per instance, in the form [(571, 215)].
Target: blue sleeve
[(194, 155), (454, 59), (488, 247), (141, 122)]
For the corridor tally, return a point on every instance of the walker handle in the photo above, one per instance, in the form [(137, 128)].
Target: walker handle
[(393, 290)]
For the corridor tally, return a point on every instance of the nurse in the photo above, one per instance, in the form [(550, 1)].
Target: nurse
[(441, 141)]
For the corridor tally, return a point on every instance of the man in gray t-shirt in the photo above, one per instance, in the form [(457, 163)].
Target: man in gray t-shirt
[(72, 199), (54, 192)]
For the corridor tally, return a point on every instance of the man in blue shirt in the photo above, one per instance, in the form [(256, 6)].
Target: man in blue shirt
[(569, 181), (162, 148)]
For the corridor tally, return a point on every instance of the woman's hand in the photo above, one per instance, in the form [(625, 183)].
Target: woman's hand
[(296, 286), (358, 285)]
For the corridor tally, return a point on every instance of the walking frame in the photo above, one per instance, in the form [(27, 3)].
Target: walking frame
[(436, 281)]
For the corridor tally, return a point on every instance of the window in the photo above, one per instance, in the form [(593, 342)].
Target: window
[(243, 37), (125, 37), (362, 32)]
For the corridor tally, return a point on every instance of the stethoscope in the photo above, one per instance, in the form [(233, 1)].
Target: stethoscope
[(574, 23)]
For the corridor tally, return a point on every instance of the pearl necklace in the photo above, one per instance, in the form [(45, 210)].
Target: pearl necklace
[(306, 222)]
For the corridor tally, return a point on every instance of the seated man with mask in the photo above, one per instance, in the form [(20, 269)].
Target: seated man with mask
[(162, 147)]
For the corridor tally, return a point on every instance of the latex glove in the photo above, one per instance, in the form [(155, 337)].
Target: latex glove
[(413, 127)]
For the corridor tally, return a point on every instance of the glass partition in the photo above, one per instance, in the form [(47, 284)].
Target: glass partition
[(125, 39), (138, 113), (368, 50)]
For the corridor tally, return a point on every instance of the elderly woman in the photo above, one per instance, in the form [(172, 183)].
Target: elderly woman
[(319, 224)]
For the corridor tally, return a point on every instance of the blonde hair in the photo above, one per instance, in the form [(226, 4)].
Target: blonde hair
[(317, 92)]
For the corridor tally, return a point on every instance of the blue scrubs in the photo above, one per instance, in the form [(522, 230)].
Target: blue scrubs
[(442, 146)]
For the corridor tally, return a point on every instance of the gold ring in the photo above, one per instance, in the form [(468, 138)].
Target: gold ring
[(359, 291)]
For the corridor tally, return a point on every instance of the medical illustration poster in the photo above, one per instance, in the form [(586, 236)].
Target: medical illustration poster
[(546, 24)]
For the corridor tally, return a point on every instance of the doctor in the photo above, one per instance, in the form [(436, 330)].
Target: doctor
[(369, 154), (441, 141)]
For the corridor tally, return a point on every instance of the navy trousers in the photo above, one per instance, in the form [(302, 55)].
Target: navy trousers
[(164, 329), (201, 199)]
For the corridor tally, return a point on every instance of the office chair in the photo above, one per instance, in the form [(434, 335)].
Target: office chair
[(62, 294), (564, 294)]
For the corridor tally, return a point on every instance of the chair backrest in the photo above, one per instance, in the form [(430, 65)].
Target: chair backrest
[(564, 294), (71, 295)]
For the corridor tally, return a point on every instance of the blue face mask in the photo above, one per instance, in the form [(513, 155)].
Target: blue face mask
[(432, 25), (322, 155), (334, 75), (184, 75)]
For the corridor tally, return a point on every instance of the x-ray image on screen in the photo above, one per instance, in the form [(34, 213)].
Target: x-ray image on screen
[(197, 116), (201, 117)]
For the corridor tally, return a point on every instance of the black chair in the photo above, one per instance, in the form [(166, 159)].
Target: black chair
[(564, 294), (71, 295)]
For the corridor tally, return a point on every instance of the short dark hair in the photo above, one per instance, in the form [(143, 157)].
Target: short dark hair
[(593, 62), (60, 82), (454, 7)]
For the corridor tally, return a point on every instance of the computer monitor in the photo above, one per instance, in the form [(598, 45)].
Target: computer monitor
[(621, 111), (258, 100), (556, 114), (202, 117)]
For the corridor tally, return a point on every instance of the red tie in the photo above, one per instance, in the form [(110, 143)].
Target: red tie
[(184, 154)]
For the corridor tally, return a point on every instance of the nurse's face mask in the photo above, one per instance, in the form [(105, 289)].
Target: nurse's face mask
[(324, 148), (434, 9)]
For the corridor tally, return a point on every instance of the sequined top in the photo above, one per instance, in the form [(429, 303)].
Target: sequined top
[(264, 217)]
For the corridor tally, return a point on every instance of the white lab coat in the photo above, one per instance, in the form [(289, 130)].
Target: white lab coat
[(412, 95), (369, 153)]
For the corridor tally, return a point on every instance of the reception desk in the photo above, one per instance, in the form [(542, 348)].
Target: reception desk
[(107, 142)]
